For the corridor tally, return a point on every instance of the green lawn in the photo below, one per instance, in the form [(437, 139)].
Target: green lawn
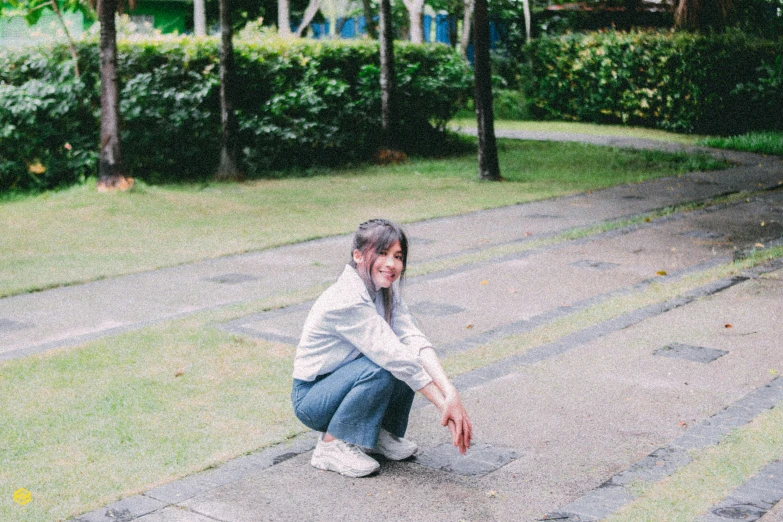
[(78, 234)]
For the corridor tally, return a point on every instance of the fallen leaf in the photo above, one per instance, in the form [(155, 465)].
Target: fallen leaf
[(759, 245), (727, 326), (647, 220), (179, 373), (682, 424), (512, 290), (469, 326), (661, 272), (528, 233), (773, 371), (484, 282), (763, 223), (492, 493)]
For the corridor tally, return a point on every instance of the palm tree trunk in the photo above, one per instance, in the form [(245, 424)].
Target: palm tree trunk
[(368, 19), (228, 150), (199, 18), (489, 168), (464, 39), (388, 84), (110, 168), (284, 18)]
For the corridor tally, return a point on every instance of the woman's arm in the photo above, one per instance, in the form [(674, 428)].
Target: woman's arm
[(444, 396)]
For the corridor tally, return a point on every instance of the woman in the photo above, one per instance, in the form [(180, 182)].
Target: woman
[(361, 358)]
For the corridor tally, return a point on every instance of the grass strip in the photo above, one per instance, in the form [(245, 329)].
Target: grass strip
[(78, 235), (761, 142), (591, 129), (714, 472)]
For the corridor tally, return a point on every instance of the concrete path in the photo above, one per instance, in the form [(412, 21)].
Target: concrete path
[(567, 427)]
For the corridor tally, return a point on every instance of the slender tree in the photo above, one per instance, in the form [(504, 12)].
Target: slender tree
[(489, 169), (388, 83), (369, 19), (199, 18), (415, 15), (229, 126), (312, 9), (111, 172), (464, 39), (284, 18)]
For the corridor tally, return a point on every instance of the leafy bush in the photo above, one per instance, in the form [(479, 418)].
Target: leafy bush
[(298, 103), (675, 81)]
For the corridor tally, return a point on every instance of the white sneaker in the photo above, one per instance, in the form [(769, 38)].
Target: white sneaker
[(344, 458), (393, 447)]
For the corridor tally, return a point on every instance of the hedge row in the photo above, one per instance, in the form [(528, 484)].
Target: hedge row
[(299, 103), (716, 84)]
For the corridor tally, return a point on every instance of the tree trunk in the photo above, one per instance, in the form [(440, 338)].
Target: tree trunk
[(487, 150), (464, 39), (368, 19), (111, 175), (199, 18), (699, 15), (227, 169), (284, 18), (309, 14), (388, 83), (415, 15), (528, 20)]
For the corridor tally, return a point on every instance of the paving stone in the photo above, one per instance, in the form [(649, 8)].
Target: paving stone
[(698, 354), (231, 279), (479, 460), (7, 325), (657, 465), (543, 216), (568, 517), (597, 265), (703, 234), (592, 507), (124, 510), (433, 308)]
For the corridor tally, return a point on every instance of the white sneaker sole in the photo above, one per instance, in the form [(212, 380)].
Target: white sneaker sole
[(328, 465)]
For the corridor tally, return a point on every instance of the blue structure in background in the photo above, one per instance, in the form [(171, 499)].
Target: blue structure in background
[(445, 26)]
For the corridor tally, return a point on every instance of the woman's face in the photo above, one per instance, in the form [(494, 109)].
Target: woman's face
[(387, 266)]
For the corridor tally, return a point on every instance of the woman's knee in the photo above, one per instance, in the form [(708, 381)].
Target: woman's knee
[(378, 377)]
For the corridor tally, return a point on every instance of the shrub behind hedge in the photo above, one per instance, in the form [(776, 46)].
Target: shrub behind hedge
[(675, 81), (299, 103)]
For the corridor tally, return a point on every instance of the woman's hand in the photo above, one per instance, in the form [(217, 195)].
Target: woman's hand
[(454, 416)]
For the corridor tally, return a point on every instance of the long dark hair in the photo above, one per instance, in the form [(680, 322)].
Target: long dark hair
[(371, 238)]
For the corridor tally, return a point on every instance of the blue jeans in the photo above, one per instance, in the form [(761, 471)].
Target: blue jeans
[(353, 402)]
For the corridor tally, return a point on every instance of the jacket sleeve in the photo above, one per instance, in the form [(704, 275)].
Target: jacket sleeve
[(404, 325), (361, 326)]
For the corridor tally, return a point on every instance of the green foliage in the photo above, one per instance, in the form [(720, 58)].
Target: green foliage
[(299, 103), (675, 81)]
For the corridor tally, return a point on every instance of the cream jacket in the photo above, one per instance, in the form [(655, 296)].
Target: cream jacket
[(346, 322)]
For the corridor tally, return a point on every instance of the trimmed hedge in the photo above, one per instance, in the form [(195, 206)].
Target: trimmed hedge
[(299, 104), (676, 81)]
